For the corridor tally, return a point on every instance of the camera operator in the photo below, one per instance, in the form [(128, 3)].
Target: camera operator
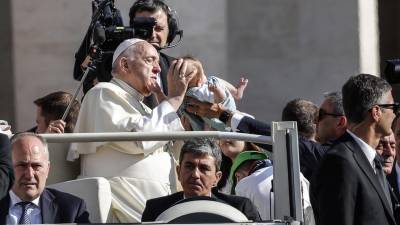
[(164, 32)]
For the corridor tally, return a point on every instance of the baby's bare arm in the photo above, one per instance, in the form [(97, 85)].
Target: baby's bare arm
[(237, 92), (219, 93)]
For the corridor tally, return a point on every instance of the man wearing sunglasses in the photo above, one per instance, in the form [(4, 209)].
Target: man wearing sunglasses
[(349, 187), (332, 122), (305, 113)]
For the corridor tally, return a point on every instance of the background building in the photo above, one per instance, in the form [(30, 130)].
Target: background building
[(286, 48)]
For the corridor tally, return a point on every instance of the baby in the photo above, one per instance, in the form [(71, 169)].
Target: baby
[(211, 89)]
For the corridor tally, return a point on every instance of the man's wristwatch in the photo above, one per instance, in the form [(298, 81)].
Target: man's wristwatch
[(225, 116)]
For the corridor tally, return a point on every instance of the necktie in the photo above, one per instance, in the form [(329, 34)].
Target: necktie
[(381, 177), (25, 216)]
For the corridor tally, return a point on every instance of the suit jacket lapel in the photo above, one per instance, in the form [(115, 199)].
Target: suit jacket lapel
[(4, 207), (47, 207), (392, 178), (366, 167)]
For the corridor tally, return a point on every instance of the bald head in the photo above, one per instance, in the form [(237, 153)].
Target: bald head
[(27, 137), (30, 158)]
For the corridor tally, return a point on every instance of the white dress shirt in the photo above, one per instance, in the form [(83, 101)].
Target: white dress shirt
[(15, 211), (368, 151), (236, 118), (257, 187)]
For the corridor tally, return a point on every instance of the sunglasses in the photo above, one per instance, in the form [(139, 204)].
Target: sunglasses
[(322, 114), (395, 107)]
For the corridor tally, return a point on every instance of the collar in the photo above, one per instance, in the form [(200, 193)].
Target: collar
[(14, 199), (184, 197), (368, 151), (126, 87)]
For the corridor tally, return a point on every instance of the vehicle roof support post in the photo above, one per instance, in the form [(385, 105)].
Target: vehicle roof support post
[(286, 183)]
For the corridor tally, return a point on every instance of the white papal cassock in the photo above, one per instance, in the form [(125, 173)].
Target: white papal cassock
[(138, 170)]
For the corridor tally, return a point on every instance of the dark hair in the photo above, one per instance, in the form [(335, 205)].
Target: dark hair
[(226, 164), (54, 105), (336, 101), (305, 113), (200, 147), (153, 6), (149, 6), (361, 93)]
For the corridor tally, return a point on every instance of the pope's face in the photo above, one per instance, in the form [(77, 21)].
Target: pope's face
[(143, 68)]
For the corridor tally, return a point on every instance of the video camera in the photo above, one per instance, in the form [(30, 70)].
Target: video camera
[(105, 33), (109, 31), (392, 71)]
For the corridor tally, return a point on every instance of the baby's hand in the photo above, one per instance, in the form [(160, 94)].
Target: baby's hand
[(240, 88), (219, 94)]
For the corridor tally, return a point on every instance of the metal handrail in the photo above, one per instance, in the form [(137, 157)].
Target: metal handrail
[(153, 136)]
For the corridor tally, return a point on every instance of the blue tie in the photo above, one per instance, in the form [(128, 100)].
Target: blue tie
[(25, 218)]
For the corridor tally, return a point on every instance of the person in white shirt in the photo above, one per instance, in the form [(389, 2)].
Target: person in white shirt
[(137, 170), (252, 175)]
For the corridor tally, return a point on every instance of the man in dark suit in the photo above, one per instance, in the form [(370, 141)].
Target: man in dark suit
[(349, 187), (6, 173), (393, 176), (199, 173), (332, 123), (387, 149), (29, 201), (305, 113)]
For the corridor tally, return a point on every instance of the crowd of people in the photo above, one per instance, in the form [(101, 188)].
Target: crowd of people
[(347, 145)]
